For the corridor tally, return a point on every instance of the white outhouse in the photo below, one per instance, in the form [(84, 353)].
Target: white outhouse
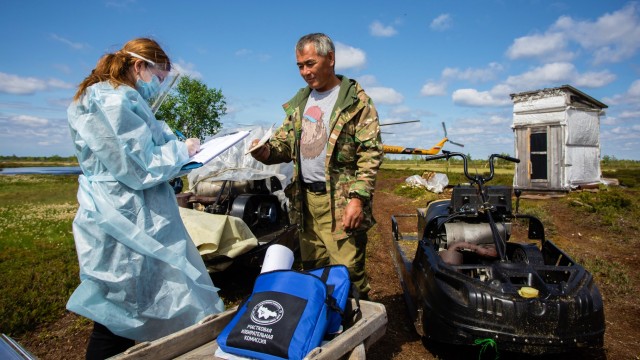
[(557, 139)]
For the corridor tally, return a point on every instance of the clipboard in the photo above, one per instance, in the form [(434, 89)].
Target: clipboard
[(213, 148)]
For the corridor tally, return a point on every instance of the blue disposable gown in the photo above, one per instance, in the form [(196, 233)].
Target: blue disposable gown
[(141, 275)]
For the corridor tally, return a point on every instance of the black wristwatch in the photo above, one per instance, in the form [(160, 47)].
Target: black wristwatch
[(357, 196)]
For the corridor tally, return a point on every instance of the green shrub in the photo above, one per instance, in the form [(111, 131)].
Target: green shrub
[(612, 206), (626, 177)]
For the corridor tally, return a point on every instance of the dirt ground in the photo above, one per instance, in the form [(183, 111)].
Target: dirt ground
[(578, 235)]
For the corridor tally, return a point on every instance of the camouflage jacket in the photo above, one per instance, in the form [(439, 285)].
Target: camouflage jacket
[(354, 153)]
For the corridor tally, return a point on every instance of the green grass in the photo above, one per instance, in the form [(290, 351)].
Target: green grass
[(27, 161), (38, 262), (611, 276), (615, 208), (415, 193), (627, 177), (537, 210)]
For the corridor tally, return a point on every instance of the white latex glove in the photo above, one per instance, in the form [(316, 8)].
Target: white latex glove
[(193, 146)]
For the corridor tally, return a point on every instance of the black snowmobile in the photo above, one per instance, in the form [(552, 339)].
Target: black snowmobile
[(472, 279)]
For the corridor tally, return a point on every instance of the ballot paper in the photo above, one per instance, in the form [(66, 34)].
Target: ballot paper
[(263, 140), (213, 148)]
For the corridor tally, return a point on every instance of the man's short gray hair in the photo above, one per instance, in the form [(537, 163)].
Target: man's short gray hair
[(322, 42)]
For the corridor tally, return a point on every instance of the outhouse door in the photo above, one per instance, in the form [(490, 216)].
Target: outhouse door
[(538, 155)]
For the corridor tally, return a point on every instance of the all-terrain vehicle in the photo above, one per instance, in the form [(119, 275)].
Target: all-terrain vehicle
[(477, 270)]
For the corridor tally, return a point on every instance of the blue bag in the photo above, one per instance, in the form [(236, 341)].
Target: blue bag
[(285, 317), (339, 287)]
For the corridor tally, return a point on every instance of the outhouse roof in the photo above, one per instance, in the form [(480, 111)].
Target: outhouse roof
[(577, 95)]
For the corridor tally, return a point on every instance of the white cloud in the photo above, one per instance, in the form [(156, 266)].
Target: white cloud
[(401, 110), (548, 74), (608, 120), (630, 115), (556, 74), (71, 44), (188, 69), (243, 52), (13, 84), (439, 88), (367, 80), (65, 69), (119, 3), (625, 132), (613, 37), (500, 120), (442, 22), (634, 90), (432, 88), (473, 97), (250, 54), (380, 94), (471, 130), (594, 79), (549, 46), (378, 29), (474, 75), (348, 57), (27, 120), (385, 95), (631, 96), (46, 136), (492, 120)]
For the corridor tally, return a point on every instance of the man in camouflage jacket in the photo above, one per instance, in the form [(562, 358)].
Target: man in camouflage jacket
[(353, 157)]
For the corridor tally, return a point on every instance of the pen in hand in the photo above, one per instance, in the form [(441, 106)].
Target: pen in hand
[(180, 135), (193, 146)]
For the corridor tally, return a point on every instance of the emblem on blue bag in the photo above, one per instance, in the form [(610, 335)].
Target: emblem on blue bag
[(267, 312)]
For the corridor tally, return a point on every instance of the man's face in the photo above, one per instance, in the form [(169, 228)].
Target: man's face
[(315, 69)]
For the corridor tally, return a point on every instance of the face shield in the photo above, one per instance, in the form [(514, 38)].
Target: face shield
[(168, 78)]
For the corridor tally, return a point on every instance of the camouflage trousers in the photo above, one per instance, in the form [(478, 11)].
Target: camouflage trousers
[(317, 247)]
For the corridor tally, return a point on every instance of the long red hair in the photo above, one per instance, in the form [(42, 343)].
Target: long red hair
[(114, 67)]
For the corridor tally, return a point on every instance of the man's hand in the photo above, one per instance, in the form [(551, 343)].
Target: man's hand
[(353, 214), (262, 153), (193, 146)]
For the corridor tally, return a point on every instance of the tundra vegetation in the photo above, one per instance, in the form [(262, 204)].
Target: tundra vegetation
[(39, 263)]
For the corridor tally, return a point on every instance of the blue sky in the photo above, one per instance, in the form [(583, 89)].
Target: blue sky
[(451, 61)]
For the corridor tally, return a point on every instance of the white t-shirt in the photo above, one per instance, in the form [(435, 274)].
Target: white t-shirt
[(315, 133)]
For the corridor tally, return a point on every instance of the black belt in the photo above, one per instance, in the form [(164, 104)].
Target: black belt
[(318, 187)]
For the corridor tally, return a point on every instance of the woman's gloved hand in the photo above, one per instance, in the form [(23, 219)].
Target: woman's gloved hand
[(193, 145)]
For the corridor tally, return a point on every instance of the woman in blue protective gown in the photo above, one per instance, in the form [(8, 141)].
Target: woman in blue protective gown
[(141, 275)]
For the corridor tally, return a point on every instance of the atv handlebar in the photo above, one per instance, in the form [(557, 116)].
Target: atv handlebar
[(479, 181), (504, 157), (476, 179)]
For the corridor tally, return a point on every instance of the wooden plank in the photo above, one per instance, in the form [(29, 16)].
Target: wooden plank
[(359, 353), (171, 346), (374, 317), (198, 341)]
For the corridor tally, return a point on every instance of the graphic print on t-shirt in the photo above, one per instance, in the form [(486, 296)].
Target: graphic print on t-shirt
[(314, 133)]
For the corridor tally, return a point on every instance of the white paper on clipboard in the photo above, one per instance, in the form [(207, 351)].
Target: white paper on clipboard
[(213, 148), (263, 140)]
